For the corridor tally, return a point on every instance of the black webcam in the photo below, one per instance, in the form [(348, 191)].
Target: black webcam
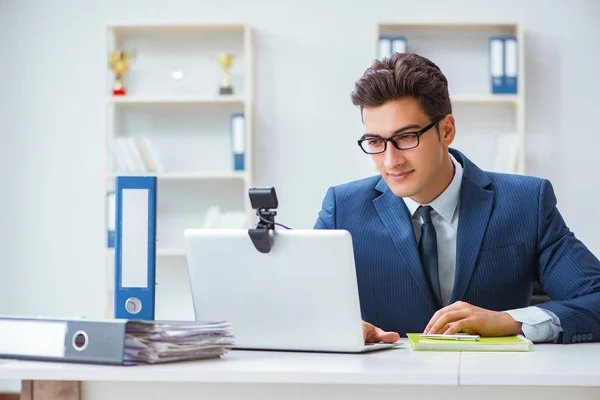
[(263, 200)]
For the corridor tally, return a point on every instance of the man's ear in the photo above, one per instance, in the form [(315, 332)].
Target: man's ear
[(447, 130)]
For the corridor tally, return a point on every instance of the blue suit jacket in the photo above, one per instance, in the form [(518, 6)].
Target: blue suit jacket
[(510, 233)]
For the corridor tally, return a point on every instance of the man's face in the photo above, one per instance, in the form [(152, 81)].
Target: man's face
[(417, 172)]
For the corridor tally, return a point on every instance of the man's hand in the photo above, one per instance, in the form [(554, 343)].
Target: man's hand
[(467, 318), (373, 334)]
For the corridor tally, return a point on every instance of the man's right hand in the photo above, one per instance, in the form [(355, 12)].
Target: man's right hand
[(373, 334)]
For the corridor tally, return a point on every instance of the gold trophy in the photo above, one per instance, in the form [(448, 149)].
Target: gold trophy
[(119, 62), (225, 60)]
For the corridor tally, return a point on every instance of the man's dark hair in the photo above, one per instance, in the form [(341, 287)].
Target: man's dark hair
[(404, 75)]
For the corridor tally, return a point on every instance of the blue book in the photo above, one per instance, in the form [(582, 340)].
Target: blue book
[(135, 247)]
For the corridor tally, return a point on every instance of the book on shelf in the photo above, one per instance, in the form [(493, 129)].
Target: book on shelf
[(132, 154), (506, 153), (217, 218)]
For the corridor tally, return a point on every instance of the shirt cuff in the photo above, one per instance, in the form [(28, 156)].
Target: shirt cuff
[(538, 325)]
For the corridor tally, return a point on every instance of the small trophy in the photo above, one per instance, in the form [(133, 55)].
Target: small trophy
[(225, 60), (119, 62)]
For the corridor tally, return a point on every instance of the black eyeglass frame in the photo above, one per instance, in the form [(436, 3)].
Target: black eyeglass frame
[(391, 138)]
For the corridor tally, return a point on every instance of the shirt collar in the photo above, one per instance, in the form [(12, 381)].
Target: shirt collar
[(446, 203)]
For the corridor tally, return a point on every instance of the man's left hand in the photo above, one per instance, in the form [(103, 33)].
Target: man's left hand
[(467, 318)]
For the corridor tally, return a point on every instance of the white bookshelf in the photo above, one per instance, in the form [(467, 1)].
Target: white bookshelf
[(190, 175), (176, 100), (483, 119), (187, 124)]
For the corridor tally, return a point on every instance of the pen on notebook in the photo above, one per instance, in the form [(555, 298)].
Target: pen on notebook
[(450, 337)]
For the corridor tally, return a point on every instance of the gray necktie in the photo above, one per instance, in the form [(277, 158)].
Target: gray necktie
[(428, 253)]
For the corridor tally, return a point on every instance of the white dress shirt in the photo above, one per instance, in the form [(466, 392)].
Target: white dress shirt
[(539, 325)]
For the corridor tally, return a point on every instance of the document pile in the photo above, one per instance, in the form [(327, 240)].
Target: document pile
[(114, 341), (157, 342)]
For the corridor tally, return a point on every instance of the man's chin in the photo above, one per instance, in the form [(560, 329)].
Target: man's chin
[(401, 190)]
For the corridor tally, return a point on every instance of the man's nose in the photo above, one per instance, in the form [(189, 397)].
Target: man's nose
[(392, 156)]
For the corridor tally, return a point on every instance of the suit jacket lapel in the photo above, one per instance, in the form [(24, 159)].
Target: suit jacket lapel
[(395, 217), (474, 213)]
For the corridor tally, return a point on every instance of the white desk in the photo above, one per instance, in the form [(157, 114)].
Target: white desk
[(549, 372)]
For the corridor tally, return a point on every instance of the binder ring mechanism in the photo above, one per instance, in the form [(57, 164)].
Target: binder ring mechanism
[(80, 340)]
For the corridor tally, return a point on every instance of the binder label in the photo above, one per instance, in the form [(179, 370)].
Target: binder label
[(135, 238), (33, 338)]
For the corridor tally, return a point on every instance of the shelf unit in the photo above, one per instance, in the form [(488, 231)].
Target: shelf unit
[(176, 100), (172, 108), (189, 175), (490, 127)]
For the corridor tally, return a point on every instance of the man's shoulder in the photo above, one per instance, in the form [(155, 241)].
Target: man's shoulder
[(357, 188), (515, 181)]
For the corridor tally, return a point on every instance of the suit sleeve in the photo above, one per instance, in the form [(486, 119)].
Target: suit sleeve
[(568, 272), (326, 217)]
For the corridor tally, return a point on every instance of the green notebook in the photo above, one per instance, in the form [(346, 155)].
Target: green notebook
[(505, 343)]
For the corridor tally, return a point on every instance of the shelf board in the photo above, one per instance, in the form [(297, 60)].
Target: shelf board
[(447, 25), (162, 252), (133, 100), (174, 252), (485, 98), (129, 27), (186, 175)]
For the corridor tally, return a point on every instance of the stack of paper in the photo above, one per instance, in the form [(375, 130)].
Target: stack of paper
[(505, 343), (165, 341)]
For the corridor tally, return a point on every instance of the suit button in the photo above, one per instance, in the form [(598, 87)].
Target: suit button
[(574, 338), (590, 336), (579, 337)]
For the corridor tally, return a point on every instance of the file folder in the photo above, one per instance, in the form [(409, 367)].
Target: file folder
[(389, 44), (399, 44), (238, 140), (62, 340), (385, 46), (116, 342), (496, 59), (135, 247), (111, 218), (511, 65)]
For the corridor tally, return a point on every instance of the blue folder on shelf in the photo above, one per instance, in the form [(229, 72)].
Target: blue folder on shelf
[(238, 141), (389, 44), (504, 65), (135, 247)]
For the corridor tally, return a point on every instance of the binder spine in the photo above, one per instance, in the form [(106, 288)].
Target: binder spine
[(135, 247), (399, 44), (511, 64), (385, 46), (390, 44), (238, 140), (496, 59)]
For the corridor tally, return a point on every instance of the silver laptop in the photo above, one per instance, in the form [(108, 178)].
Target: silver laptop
[(301, 296)]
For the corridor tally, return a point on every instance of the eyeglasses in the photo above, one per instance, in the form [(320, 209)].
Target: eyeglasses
[(401, 141)]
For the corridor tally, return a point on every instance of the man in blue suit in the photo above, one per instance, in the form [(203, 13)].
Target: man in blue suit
[(442, 246)]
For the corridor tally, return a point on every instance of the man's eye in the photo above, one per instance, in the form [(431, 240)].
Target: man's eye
[(405, 138), (375, 142)]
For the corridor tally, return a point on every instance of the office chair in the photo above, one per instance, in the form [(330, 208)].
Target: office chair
[(538, 296)]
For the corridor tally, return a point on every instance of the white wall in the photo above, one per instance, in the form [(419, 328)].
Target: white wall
[(309, 53)]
